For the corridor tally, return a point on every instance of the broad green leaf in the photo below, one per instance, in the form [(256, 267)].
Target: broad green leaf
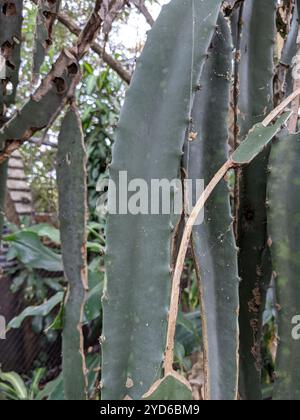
[(44, 230), (92, 308), (17, 384), (31, 252), (258, 138), (188, 331), (172, 387), (41, 310), (53, 391)]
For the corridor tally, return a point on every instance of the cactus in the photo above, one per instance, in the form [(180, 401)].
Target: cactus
[(257, 140), (10, 41), (172, 387), (283, 227), (153, 123), (289, 50), (255, 101), (176, 112), (46, 15), (286, 60), (71, 180), (284, 230), (213, 242)]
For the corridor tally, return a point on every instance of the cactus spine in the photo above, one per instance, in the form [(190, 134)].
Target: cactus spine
[(71, 179)]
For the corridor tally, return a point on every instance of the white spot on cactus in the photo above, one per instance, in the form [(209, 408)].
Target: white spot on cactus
[(129, 383), (68, 159)]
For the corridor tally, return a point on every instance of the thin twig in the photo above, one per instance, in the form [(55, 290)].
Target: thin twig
[(140, 5), (108, 59), (99, 17), (277, 111), (173, 313)]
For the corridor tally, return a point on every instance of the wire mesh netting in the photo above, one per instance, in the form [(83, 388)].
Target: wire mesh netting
[(29, 346)]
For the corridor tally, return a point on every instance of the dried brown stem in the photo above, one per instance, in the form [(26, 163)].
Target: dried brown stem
[(173, 313), (67, 62), (140, 5)]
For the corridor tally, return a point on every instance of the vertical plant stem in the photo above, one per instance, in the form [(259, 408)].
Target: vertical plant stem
[(72, 188)]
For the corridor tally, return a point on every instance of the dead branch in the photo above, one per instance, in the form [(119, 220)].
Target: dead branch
[(58, 87)]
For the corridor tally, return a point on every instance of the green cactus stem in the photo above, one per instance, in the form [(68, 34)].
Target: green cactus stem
[(152, 129), (213, 241), (255, 101), (284, 231), (71, 180)]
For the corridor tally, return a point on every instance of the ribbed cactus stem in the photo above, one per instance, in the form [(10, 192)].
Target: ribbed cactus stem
[(284, 232), (153, 124), (71, 179), (256, 72), (213, 243)]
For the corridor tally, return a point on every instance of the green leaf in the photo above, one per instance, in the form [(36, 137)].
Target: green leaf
[(37, 377), (95, 247), (44, 230), (258, 138), (188, 331), (53, 391), (32, 253), (41, 310), (93, 363), (172, 387), (93, 307), (16, 383), (58, 323)]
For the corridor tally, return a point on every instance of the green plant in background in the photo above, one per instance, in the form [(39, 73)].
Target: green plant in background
[(13, 387)]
